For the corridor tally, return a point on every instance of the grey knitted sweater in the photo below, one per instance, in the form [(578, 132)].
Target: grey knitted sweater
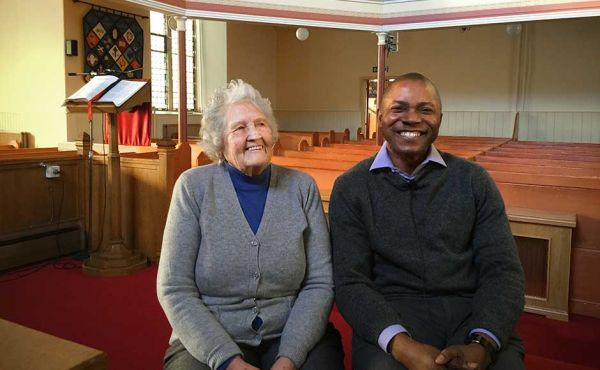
[(215, 275), (444, 233)]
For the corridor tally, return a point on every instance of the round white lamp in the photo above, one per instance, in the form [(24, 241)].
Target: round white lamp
[(302, 33), (514, 28)]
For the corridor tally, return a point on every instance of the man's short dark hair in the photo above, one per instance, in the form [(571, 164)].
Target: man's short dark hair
[(415, 76)]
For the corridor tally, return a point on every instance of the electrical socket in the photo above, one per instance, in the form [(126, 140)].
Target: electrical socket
[(52, 171)]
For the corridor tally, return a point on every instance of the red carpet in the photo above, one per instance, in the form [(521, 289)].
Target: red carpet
[(121, 316)]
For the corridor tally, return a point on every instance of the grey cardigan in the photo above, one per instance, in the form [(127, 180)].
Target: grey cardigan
[(215, 275)]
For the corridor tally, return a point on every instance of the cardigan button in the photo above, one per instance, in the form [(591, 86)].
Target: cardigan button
[(254, 243)]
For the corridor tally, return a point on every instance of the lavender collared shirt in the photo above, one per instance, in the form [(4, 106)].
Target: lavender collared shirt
[(383, 160)]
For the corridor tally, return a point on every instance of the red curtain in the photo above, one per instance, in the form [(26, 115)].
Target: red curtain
[(133, 127)]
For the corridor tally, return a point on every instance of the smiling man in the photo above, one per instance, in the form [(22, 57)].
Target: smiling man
[(426, 269)]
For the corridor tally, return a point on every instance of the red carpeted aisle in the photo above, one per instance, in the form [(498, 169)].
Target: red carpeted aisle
[(118, 315), (121, 316)]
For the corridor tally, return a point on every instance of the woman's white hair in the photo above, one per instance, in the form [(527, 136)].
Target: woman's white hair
[(212, 130)]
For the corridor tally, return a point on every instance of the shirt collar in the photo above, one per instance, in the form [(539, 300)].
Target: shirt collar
[(383, 160)]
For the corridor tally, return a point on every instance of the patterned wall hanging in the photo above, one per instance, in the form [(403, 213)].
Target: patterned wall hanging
[(113, 42)]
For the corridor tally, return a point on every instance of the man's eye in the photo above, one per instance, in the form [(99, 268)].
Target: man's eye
[(238, 128)]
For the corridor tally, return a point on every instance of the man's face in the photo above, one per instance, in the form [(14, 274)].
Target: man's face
[(410, 119)]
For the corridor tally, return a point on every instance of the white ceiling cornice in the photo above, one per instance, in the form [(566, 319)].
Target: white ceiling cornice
[(377, 15)]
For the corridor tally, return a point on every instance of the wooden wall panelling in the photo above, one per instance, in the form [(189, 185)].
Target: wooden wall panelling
[(41, 218), (478, 123), (544, 242), (578, 127), (585, 203)]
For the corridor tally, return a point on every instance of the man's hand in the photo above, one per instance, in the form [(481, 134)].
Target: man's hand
[(283, 363), (464, 357), (414, 355), (239, 364)]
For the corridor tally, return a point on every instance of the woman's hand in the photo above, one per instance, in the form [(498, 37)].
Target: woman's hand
[(239, 364), (283, 363)]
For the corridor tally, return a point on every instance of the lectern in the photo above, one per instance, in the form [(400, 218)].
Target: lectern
[(113, 257)]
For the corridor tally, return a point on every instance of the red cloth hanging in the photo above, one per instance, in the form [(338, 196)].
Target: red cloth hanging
[(133, 127)]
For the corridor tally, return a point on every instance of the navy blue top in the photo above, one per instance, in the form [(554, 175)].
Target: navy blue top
[(252, 193)]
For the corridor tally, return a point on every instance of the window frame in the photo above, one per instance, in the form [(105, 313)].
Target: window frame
[(169, 68)]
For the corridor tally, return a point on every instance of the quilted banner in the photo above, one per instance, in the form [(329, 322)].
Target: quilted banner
[(113, 42)]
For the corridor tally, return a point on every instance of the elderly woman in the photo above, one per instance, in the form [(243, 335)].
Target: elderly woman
[(245, 270)]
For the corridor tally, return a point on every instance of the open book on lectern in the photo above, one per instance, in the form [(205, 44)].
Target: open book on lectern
[(113, 90)]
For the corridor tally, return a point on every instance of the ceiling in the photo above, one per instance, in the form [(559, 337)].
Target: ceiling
[(377, 15)]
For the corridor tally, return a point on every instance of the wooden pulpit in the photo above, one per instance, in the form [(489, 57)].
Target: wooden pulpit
[(113, 257)]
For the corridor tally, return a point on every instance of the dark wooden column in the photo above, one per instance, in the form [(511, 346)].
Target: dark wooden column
[(381, 49), (182, 116)]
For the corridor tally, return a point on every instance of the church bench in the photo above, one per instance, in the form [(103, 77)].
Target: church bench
[(311, 137), (585, 257), (171, 130), (324, 155), (34, 154), (342, 151), (541, 185), (30, 150), (538, 162), (549, 150), (293, 141), (579, 182), (18, 139), (319, 138), (316, 163), (340, 137), (549, 145), (538, 169), (25, 348), (543, 155)]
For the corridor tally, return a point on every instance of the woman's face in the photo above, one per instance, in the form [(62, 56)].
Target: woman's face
[(248, 138)]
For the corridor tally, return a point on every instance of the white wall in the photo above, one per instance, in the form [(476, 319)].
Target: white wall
[(565, 66), (214, 56), (475, 69), (252, 56), (32, 69)]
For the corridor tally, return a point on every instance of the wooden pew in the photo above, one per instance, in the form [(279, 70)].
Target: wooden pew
[(542, 155), (293, 141), (319, 138), (325, 155), (41, 217), (313, 163), (17, 139), (340, 137), (25, 348), (548, 150), (538, 161), (171, 131), (543, 184), (551, 145), (539, 169), (559, 178)]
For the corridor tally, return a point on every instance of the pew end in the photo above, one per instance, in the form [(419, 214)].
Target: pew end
[(25, 348)]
